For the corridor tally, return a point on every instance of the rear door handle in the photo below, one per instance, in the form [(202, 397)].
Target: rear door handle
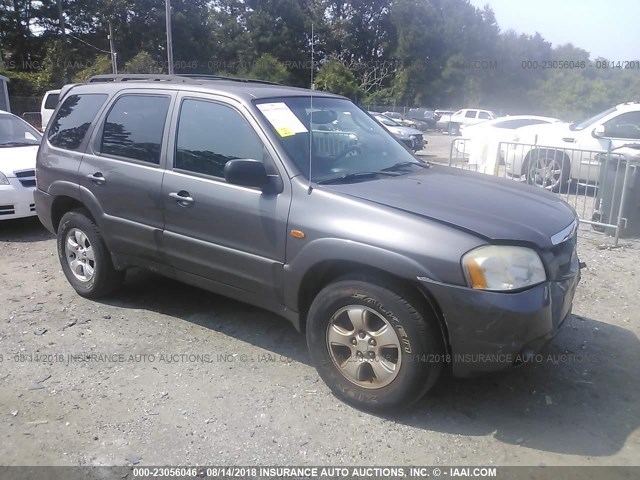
[(97, 178), (182, 198)]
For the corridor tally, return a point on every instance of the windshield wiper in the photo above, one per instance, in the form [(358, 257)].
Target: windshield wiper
[(348, 177), (399, 165), (17, 144)]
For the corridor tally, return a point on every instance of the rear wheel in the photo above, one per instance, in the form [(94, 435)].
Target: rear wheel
[(84, 257), (373, 344), (548, 169)]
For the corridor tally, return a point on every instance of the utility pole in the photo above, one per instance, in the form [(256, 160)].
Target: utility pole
[(61, 22), (63, 46), (114, 55), (169, 39)]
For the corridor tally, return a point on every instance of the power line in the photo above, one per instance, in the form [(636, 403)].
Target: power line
[(87, 43)]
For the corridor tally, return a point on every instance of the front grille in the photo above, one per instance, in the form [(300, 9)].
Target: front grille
[(7, 210), (26, 177)]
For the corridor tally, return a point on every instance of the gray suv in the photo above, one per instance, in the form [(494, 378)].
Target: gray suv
[(300, 203)]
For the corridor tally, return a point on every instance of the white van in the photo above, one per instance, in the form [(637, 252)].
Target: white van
[(49, 104)]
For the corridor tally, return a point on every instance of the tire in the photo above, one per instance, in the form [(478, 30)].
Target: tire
[(84, 257), (548, 169), (396, 376)]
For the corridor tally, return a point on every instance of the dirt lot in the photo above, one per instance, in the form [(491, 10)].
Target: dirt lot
[(163, 373)]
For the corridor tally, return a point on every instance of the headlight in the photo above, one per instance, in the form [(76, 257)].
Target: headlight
[(401, 133), (3, 179), (501, 268)]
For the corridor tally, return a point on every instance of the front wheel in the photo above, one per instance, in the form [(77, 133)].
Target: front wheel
[(373, 343)]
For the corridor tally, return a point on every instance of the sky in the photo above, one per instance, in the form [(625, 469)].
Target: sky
[(608, 28)]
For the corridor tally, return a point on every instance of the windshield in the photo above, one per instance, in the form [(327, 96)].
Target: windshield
[(16, 133), (345, 140), (386, 121), (589, 121)]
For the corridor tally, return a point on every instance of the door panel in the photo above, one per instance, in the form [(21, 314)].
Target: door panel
[(230, 234), (123, 173)]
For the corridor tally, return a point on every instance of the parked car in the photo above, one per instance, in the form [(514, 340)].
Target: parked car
[(425, 119), (18, 148), (410, 137), (469, 116), (399, 118), (48, 105), (444, 118), (481, 141), (299, 202), (567, 152)]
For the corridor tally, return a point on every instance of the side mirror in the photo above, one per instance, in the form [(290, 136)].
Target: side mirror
[(248, 173), (598, 132)]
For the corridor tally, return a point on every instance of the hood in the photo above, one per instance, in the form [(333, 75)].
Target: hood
[(494, 208), (406, 130), (17, 158)]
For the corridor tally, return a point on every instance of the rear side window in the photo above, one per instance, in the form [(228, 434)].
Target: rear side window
[(70, 125), (484, 115), (211, 134), (134, 127), (52, 101)]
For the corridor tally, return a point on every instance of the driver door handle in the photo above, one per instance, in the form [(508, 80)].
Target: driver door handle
[(182, 198), (97, 178)]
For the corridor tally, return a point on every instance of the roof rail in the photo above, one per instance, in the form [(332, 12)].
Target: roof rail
[(177, 78)]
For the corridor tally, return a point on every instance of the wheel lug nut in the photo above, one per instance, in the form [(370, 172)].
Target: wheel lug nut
[(372, 355), (354, 341), (362, 334), (372, 342)]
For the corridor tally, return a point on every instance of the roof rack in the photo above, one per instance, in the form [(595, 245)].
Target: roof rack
[(176, 78)]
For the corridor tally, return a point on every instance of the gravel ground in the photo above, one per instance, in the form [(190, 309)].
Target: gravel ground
[(162, 373)]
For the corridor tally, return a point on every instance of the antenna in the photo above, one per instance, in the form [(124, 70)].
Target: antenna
[(311, 114)]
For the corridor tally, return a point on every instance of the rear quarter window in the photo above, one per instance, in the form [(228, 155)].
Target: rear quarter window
[(73, 119), (51, 101)]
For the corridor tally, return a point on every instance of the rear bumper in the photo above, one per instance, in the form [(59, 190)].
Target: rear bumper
[(16, 201), (491, 331)]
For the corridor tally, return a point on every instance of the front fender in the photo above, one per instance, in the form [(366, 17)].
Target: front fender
[(325, 250)]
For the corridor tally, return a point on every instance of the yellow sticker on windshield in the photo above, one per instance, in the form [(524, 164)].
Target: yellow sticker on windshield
[(285, 132), (283, 120)]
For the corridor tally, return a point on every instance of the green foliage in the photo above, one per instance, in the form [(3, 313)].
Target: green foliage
[(336, 78), (267, 67), (430, 53), (142, 63), (101, 64)]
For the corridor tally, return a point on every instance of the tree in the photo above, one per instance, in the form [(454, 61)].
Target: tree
[(142, 63), (267, 67), (336, 78)]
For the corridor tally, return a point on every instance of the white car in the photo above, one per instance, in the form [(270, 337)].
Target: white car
[(48, 105), (553, 155), (469, 116), (482, 140), (19, 143)]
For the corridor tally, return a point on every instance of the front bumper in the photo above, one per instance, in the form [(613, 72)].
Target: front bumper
[(414, 143), (16, 201), (490, 331)]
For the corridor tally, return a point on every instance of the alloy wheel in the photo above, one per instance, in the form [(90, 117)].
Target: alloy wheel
[(364, 346)]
